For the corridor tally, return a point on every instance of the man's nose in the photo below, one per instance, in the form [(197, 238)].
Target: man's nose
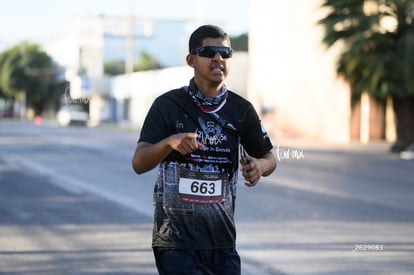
[(218, 56)]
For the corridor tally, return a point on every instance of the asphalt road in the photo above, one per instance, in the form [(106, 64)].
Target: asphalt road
[(71, 204)]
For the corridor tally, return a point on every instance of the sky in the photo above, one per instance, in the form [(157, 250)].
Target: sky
[(42, 19)]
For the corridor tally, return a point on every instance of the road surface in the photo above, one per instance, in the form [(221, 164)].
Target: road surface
[(71, 204)]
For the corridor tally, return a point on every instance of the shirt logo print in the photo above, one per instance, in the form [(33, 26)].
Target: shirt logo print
[(211, 133)]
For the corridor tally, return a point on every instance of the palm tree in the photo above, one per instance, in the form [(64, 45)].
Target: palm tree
[(377, 38)]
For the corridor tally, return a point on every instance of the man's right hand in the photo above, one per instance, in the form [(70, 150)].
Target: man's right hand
[(184, 143), (148, 155)]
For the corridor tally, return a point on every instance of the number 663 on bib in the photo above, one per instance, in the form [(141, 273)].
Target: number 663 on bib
[(198, 187)]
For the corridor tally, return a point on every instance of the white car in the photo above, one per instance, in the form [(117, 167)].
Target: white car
[(72, 114)]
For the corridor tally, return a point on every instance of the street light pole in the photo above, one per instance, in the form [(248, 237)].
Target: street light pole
[(129, 59), (129, 62)]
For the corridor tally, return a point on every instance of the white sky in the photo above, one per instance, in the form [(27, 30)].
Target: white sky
[(34, 19)]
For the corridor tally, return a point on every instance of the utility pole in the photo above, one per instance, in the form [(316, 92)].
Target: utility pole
[(124, 27), (129, 58)]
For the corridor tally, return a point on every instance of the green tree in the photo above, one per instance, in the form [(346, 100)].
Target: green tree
[(240, 43), (377, 40), (27, 71), (147, 62), (114, 67)]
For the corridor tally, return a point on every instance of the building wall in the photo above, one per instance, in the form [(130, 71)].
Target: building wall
[(292, 76)]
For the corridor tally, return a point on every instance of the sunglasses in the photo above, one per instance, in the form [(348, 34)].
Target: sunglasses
[(211, 51)]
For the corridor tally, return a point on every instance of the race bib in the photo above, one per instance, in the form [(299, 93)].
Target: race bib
[(201, 187)]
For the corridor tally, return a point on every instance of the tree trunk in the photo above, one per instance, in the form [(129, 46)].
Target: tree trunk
[(404, 121)]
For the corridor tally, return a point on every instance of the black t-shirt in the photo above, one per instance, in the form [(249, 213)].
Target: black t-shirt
[(203, 219)]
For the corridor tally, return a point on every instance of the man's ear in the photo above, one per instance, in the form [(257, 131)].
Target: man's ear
[(190, 60)]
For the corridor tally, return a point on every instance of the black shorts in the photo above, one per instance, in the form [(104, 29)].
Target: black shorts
[(197, 262)]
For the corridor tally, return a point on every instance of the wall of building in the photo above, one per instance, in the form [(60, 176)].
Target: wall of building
[(292, 76)]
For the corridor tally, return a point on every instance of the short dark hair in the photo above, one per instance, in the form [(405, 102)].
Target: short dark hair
[(205, 31)]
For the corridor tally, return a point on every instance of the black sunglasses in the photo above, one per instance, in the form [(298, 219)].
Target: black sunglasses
[(211, 51)]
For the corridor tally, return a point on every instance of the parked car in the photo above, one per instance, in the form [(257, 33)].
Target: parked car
[(72, 114)]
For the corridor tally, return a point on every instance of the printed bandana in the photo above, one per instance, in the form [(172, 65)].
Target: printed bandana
[(206, 104)]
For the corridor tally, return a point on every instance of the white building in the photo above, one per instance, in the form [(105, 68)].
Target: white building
[(95, 40), (126, 98)]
